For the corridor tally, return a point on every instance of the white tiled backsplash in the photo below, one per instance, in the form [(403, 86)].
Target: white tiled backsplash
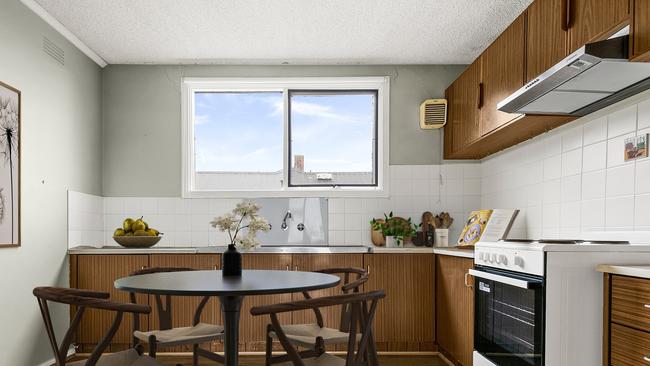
[(414, 189), (574, 179)]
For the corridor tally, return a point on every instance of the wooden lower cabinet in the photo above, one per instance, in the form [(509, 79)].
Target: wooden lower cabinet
[(454, 309), (98, 272), (252, 329), (405, 318), (404, 321)]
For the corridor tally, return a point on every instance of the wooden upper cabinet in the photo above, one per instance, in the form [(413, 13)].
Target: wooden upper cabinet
[(640, 30), (502, 74), (462, 127), (547, 36), (591, 20)]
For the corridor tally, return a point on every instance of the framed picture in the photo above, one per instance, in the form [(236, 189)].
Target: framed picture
[(10, 128), (636, 147)]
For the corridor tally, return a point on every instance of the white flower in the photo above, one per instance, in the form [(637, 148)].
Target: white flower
[(246, 208), (258, 224), (225, 222), (243, 218), (248, 242)]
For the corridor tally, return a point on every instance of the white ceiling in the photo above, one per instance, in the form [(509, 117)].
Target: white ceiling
[(293, 31)]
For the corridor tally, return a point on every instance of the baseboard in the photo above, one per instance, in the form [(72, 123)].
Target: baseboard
[(52, 361), (443, 358)]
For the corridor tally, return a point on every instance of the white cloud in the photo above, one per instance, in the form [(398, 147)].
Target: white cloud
[(201, 119)]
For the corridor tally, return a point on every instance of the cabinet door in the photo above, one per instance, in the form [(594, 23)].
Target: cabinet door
[(463, 97), (454, 308), (591, 20), (252, 329), (502, 74), (183, 307), (405, 318), (98, 272), (315, 262), (546, 37), (641, 30)]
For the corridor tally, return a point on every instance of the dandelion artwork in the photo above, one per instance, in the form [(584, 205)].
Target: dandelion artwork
[(242, 224), (9, 166)]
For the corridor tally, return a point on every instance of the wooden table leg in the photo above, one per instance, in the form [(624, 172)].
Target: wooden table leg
[(230, 306)]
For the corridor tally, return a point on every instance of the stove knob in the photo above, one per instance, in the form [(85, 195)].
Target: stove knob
[(519, 261), (493, 258), (504, 260)]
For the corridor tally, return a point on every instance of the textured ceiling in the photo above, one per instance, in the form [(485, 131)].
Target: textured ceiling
[(293, 31)]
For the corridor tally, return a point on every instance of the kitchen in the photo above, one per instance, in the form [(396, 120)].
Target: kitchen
[(517, 130)]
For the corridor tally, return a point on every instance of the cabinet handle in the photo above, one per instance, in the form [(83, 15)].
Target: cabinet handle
[(214, 267), (143, 267), (647, 306), (480, 95), (646, 358), (368, 269), (287, 267), (466, 280), (568, 15), (295, 268)]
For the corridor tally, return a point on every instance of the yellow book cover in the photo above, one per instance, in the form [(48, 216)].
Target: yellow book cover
[(474, 227)]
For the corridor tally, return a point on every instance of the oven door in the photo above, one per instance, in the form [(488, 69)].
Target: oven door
[(509, 317)]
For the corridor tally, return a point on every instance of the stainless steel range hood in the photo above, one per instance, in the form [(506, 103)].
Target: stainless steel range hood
[(591, 78)]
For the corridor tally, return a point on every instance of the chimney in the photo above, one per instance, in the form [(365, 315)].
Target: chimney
[(299, 163)]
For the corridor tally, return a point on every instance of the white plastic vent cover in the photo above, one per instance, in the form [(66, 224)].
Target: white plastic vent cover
[(54, 51), (433, 113)]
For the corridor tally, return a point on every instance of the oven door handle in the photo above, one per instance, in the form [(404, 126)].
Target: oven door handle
[(502, 279)]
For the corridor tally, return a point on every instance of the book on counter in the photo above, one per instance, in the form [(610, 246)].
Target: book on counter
[(487, 225)]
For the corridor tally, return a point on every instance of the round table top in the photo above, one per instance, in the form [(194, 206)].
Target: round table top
[(212, 283)]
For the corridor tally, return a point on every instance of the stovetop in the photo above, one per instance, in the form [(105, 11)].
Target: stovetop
[(566, 241)]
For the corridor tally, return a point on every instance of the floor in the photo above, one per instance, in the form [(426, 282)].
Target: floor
[(259, 361)]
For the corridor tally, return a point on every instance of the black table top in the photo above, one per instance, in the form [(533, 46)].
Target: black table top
[(212, 283)]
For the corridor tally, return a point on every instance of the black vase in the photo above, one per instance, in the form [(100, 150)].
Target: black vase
[(231, 262)]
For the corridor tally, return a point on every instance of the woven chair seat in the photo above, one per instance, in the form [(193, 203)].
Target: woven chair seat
[(305, 335), (125, 358), (199, 333)]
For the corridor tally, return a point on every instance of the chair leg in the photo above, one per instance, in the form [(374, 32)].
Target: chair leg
[(269, 345), (195, 355), (152, 346)]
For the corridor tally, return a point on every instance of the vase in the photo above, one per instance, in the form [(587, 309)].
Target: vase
[(442, 237), (231, 262), (391, 241)]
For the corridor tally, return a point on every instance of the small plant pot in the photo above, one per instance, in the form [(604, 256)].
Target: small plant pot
[(391, 242), (442, 237)]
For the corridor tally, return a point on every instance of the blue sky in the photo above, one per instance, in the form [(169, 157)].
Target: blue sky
[(243, 131)]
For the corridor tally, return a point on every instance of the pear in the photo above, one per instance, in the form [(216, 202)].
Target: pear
[(128, 233), (126, 225), (138, 225), (119, 232), (140, 233), (153, 232)]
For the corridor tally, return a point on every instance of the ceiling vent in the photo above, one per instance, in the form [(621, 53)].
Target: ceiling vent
[(54, 51), (433, 113)]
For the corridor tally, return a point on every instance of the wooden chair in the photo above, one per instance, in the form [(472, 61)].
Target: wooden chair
[(83, 299), (169, 336), (305, 335), (362, 312)]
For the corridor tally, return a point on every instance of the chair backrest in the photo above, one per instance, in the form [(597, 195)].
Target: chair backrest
[(165, 311), (363, 308), (352, 280), (81, 299)]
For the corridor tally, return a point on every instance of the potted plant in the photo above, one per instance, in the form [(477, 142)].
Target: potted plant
[(243, 217), (395, 229)]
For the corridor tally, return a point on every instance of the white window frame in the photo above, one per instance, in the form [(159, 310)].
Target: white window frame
[(190, 86)]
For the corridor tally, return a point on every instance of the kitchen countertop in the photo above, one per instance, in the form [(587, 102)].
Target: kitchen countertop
[(112, 249), (634, 271)]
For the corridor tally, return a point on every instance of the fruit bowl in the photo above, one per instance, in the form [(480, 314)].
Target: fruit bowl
[(137, 241)]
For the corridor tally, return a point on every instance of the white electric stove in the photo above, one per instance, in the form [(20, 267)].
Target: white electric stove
[(540, 302)]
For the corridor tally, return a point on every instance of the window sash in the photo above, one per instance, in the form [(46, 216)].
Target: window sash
[(380, 85)]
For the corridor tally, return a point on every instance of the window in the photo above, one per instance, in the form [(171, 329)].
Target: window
[(285, 137)]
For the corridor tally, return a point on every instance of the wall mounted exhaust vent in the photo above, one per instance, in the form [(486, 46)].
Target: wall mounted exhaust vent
[(54, 51), (433, 113)]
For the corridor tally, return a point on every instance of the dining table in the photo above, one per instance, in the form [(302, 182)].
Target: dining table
[(231, 290)]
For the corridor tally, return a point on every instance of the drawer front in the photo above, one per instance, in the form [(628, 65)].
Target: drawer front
[(631, 302), (629, 347)]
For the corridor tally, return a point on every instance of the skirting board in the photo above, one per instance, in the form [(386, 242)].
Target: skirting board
[(52, 361)]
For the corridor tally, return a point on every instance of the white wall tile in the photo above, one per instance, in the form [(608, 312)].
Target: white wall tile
[(621, 122), (594, 157), (553, 167), (553, 191), (643, 176), (643, 115), (593, 214), (642, 210), (571, 188), (619, 212), (595, 131), (620, 181), (594, 185), (572, 138), (571, 162), (570, 214)]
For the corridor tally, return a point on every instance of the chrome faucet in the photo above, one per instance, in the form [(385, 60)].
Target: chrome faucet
[(284, 225)]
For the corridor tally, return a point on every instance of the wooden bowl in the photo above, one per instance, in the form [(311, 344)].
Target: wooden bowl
[(137, 241)]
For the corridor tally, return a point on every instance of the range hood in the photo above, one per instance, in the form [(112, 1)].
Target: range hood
[(593, 77)]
